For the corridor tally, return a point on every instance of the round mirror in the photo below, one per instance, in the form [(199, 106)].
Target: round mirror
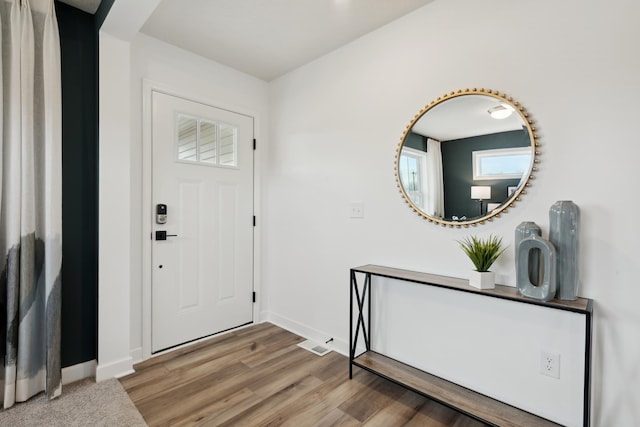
[(467, 157)]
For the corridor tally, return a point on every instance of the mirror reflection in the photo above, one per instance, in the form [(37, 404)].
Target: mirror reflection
[(466, 157)]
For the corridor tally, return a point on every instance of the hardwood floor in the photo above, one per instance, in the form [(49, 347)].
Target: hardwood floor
[(258, 376)]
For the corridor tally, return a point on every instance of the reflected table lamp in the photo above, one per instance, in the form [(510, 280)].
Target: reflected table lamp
[(481, 192)]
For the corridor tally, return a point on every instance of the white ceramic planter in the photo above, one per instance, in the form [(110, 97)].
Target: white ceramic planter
[(482, 279)]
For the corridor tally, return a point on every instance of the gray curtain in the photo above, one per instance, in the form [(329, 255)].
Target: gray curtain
[(30, 201)]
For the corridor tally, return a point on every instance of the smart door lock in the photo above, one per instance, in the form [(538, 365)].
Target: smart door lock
[(161, 214), (161, 218)]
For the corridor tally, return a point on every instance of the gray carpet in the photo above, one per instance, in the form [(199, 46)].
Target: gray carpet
[(84, 403)]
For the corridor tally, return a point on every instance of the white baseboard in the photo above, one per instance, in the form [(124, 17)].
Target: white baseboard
[(78, 372), (307, 332), (136, 355), (116, 369)]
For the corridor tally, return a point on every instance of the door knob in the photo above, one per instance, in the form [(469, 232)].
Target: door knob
[(162, 235)]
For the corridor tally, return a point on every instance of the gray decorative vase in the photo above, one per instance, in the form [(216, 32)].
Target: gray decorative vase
[(564, 228), (546, 290), (524, 230)]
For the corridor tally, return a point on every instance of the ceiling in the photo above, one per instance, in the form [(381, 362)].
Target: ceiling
[(464, 117), (89, 6), (268, 38), (264, 38)]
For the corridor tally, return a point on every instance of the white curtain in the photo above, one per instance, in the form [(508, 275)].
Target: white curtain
[(434, 204), (30, 202)]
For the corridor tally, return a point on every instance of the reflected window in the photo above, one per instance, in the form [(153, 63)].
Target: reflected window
[(503, 163), (412, 169), (207, 142)]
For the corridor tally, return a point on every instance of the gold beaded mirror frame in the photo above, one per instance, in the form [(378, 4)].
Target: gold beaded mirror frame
[(467, 157)]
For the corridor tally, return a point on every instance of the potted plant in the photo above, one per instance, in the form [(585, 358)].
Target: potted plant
[(482, 254)]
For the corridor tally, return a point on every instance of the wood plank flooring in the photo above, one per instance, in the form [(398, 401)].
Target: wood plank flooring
[(258, 376)]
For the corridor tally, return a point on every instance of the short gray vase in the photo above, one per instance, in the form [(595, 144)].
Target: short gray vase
[(564, 233), (546, 290), (524, 230)]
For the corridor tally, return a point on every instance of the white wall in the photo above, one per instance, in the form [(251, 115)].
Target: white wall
[(335, 125), (126, 57), (114, 220), (115, 194), (489, 345), (195, 78)]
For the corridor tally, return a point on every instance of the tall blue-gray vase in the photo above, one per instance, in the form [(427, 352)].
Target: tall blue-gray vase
[(524, 230), (564, 233)]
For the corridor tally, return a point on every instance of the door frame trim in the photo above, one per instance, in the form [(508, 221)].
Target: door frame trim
[(148, 87)]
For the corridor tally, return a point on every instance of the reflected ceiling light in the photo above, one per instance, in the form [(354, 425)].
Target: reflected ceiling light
[(501, 111)]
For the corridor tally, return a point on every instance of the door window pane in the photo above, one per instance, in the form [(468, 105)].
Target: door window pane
[(187, 138), (208, 146), (205, 141), (227, 145)]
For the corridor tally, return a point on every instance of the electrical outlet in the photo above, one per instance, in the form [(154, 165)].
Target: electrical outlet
[(550, 364), (356, 210)]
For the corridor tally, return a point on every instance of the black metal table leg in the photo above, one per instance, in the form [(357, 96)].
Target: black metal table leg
[(360, 323)]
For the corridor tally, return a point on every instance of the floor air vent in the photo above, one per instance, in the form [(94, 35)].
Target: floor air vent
[(314, 348)]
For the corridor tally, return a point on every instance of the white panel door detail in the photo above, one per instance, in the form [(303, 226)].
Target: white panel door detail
[(202, 274)]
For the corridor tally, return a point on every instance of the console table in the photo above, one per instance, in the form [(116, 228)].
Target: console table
[(476, 405)]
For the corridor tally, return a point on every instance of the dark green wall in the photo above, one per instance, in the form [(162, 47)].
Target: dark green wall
[(418, 142), (458, 172), (102, 12), (79, 50)]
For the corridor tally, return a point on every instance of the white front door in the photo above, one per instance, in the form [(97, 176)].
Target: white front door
[(202, 250)]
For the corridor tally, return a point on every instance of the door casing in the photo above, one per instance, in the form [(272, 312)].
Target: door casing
[(149, 86)]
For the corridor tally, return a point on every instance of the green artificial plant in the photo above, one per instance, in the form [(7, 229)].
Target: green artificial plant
[(482, 253)]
